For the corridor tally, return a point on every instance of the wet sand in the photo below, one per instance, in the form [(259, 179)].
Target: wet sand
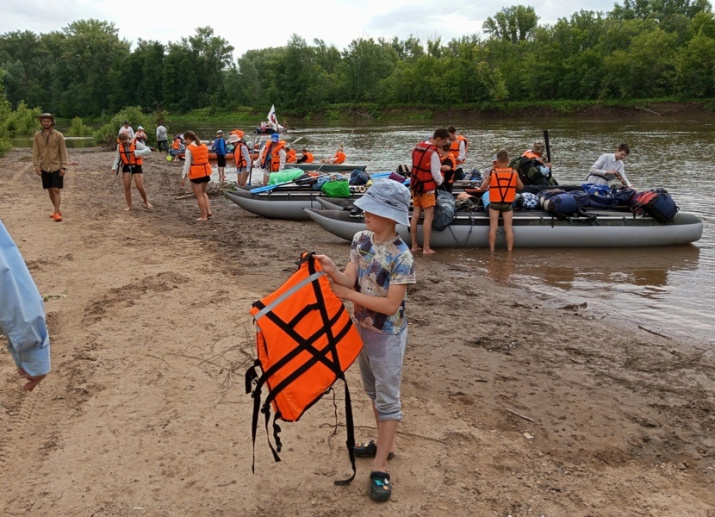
[(510, 408)]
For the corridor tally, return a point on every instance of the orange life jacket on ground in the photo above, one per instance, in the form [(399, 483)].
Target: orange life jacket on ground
[(238, 155), (127, 155), (305, 341), (502, 185), (454, 149), (422, 180), (339, 157), (200, 165), (291, 156)]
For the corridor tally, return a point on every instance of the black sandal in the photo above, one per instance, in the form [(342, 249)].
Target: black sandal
[(380, 489), (368, 450)]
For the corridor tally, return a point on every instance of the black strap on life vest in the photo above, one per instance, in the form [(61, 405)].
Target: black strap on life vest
[(328, 356)]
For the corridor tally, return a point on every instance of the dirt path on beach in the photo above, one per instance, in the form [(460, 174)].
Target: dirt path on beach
[(510, 409)]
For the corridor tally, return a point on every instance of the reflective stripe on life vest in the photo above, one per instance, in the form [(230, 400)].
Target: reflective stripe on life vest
[(502, 185)]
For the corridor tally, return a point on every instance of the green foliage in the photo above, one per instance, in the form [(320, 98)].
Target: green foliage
[(107, 134), (77, 128), (640, 49), (22, 120)]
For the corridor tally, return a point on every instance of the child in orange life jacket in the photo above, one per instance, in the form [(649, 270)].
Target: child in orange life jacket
[(130, 154), (375, 280), (198, 169), (448, 167), (502, 182)]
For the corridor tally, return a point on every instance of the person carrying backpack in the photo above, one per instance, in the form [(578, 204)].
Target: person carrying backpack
[(532, 168), (502, 182)]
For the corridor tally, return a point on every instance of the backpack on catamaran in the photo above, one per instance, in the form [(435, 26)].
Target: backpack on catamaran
[(656, 203)]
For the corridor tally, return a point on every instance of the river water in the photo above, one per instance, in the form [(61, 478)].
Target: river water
[(670, 291)]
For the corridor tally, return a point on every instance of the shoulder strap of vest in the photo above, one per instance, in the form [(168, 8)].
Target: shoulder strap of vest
[(302, 345)]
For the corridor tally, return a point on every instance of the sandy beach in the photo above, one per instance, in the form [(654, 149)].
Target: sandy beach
[(510, 408)]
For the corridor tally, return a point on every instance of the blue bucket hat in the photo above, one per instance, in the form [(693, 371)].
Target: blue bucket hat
[(387, 198)]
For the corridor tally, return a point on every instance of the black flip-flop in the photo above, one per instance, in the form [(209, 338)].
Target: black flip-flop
[(368, 450), (380, 488)]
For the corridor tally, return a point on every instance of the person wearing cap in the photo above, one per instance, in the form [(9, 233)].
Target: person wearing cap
[(375, 280), (219, 148), (426, 176), (140, 135), (49, 156), (22, 315), (242, 157), (126, 128), (273, 157), (533, 169), (609, 167)]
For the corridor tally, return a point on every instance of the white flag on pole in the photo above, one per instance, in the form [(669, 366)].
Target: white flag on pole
[(272, 115)]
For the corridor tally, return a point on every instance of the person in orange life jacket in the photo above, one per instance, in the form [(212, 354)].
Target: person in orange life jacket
[(130, 154), (272, 158), (49, 156), (459, 145), (375, 280), (242, 157), (537, 153), (306, 157), (502, 182), (140, 135), (339, 156), (449, 166), (291, 156), (198, 169), (177, 145), (426, 177), (219, 147)]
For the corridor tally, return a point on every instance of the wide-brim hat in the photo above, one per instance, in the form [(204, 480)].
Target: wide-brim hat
[(387, 198), (46, 115), (233, 139)]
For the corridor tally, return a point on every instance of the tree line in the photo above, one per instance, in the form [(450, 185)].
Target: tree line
[(641, 49)]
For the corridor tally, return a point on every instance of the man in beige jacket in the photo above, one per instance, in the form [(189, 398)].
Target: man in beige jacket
[(49, 156)]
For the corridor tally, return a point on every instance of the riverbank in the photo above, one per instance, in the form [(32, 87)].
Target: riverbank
[(510, 408)]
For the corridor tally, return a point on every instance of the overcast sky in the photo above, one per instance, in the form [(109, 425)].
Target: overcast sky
[(252, 25)]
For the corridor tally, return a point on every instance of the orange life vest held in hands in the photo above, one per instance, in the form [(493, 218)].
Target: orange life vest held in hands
[(502, 185), (305, 341), (200, 165), (422, 179)]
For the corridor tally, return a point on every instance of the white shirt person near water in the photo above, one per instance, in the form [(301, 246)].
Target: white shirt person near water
[(609, 167)]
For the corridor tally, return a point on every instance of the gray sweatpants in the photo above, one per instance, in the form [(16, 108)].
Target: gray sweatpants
[(381, 370)]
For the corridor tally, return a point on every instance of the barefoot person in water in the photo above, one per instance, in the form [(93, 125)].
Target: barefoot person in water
[(130, 154)]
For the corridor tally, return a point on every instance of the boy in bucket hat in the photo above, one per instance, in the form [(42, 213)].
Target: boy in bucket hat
[(375, 280)]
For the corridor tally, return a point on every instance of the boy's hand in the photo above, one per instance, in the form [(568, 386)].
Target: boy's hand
[(327, 264), (340, 291)]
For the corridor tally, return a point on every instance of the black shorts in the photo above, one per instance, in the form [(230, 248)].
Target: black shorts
[(221, 159), (501, 207), (204, 179), (136, 169), (52, 180)]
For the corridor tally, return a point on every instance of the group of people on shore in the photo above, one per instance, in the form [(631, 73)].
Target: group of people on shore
[(436, 161)]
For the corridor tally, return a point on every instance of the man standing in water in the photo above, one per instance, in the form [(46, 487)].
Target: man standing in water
[(49, 156)]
